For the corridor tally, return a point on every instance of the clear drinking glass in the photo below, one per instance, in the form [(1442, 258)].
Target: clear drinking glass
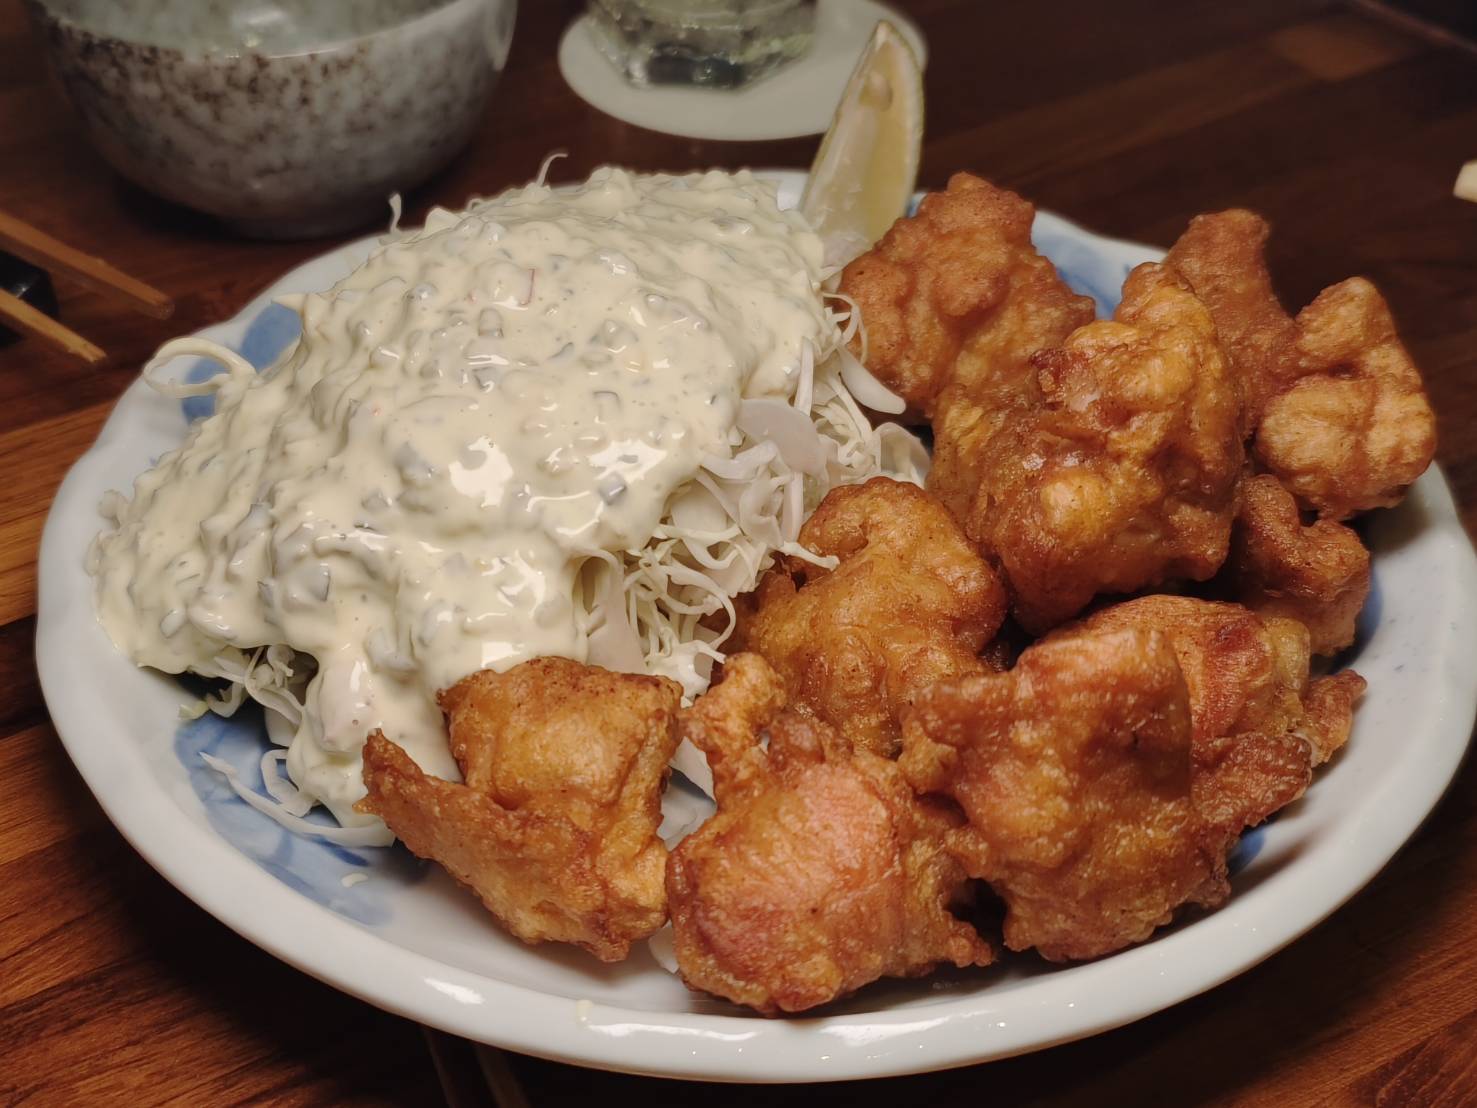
[(711, 43)]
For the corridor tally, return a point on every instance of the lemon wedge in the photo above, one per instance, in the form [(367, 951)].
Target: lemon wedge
[(864, 172)]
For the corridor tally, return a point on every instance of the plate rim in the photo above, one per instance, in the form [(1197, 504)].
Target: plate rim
[(738, 1048)]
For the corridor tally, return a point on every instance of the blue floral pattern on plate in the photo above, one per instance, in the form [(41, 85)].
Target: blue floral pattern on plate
[(332, 875), (269, 335), (1082, 264), (320, 870)]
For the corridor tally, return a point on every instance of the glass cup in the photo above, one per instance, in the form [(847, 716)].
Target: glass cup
[(722, 44)]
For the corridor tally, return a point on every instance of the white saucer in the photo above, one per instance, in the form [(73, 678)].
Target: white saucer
[(796, 100)]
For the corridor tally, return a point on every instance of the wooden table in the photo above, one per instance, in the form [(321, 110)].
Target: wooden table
[(1345, 129)]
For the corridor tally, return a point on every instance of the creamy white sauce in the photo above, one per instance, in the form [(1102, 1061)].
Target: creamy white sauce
[(563, 422)]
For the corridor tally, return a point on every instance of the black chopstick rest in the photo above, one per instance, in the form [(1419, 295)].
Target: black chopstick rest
[(29, 283)]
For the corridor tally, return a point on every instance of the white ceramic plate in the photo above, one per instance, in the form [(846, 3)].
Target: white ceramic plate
[(408, 940)]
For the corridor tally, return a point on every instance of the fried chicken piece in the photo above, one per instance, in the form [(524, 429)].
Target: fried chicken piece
[(820, 872), (1329, 712), (1353, 429), (911, 603), (1237, 781), (1223, 257), (1122, 477), (1317, 574), (1259, 724), (957, 292), (1074, 774), (556, 826), (1244, 672), (1339, 411)]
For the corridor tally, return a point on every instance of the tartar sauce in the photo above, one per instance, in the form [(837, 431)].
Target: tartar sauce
[(483, 410)]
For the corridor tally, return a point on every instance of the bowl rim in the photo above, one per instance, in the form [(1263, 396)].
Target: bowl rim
[(443, 11)]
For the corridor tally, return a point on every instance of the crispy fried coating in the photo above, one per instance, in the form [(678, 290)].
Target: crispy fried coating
[(1353, 428), (1338, 408), (1123, 475), (556, 826), (1317, 573), (1240, 780), (911, 603), (1329, 712), (1248, 673), (1260, 725), (1074, 773), (1222, 255), (1244, 673), (820, 872), (957, 292)]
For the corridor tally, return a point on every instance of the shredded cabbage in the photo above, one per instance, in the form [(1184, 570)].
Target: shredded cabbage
[(666, 607), (723, 531), (372, 834)]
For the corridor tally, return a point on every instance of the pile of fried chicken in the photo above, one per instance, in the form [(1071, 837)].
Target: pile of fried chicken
[(1154, 508)]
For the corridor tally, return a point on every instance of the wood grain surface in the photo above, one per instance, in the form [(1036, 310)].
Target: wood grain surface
[(1347, 131)]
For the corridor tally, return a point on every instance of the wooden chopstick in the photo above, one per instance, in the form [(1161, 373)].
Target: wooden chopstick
[(28, 319), (506, 1090), (39, 248)]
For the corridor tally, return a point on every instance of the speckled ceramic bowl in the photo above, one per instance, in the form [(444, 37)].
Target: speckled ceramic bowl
[(285, 118)]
